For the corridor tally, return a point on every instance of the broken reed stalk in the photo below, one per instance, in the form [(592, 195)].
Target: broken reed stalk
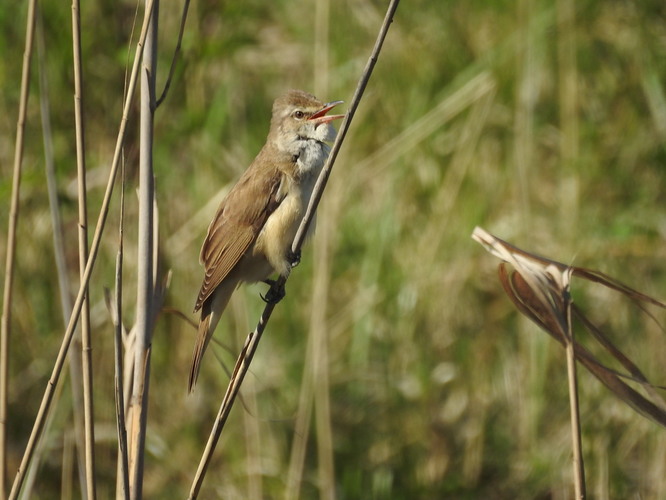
[(11, 241), (86, 343), (143, 327), (45, 405), (252, 341)]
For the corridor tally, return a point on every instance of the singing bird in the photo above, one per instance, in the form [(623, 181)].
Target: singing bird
[(250, 237)]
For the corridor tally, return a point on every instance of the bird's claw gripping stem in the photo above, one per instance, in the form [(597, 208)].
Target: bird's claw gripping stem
[(275, 293)]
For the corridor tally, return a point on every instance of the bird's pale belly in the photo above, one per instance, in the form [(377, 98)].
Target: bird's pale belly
[(278, 233)]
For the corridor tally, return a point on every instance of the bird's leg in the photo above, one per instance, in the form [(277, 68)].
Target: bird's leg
[(275, 293)]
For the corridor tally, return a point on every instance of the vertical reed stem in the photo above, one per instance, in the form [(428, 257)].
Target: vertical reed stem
[(11, 243), (86, 345), (578, 466), (145, 278)]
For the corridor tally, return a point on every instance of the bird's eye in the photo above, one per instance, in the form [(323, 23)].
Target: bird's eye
[(298, 114)]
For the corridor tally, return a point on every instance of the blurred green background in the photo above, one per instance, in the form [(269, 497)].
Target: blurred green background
[(395, 367)]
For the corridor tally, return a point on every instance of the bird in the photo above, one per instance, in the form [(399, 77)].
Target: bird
[(250, 236)]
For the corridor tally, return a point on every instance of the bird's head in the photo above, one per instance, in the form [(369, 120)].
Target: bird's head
[(299, 116)]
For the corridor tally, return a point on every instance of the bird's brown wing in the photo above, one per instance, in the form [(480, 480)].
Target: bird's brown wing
[(236, 226)]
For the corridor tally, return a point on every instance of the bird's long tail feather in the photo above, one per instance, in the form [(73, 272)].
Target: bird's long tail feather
[(211, 311)]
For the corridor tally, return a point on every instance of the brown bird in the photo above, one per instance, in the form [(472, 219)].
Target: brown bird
[(251, 234)]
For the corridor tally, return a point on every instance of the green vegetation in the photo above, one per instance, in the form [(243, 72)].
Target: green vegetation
[(547, 130)]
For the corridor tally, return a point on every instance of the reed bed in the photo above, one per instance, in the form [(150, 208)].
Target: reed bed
[(395, 367)]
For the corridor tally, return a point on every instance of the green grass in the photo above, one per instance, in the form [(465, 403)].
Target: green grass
[(437, 389)]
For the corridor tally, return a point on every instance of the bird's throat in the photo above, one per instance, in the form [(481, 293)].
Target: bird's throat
[(311, 157)]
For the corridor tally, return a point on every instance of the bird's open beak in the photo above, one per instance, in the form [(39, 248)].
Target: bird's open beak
[(320, 116)]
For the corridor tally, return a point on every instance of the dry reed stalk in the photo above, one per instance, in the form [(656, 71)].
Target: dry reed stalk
[(576, 444), (251, 424), (240, 369), (86, 343), (114, 305), (252, 341), (344, 127), (146, 256), (45, 405), (11, 242)]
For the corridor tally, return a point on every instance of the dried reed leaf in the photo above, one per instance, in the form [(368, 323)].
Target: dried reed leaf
[(539, 288)]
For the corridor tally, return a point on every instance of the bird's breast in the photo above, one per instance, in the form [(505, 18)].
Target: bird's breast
[(277, 235)]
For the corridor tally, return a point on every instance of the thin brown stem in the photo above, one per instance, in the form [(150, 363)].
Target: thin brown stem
[(116, 314), (11, 242), (356, 100), (116, 307), (248, 351), (86, 344), (237, 376), (578, 466), (176, 53)]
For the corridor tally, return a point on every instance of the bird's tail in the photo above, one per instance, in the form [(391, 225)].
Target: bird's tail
[(211, 311)]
